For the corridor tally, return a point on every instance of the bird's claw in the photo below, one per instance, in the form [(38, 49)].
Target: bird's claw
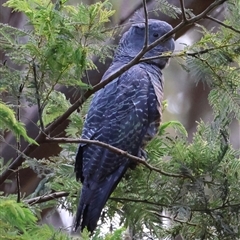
[(142, 154)]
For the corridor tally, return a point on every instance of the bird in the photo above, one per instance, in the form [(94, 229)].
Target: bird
[(126, 114)]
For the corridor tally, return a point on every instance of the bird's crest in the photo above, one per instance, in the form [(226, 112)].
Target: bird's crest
[(138, 19)]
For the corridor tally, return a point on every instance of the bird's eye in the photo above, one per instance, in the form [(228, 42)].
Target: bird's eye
[(156, 35)]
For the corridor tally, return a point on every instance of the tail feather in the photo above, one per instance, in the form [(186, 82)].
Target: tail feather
[(93, 199)]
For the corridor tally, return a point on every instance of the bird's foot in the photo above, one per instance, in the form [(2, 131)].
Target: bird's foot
[(142, 154)]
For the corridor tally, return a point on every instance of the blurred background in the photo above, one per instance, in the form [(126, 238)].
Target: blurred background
[(187, 100)]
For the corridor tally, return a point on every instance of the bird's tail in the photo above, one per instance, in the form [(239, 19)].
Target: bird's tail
[(92, 202)]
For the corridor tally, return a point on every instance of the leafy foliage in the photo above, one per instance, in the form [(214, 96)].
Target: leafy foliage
[(9, 122), (58, 51), (19, 222), (167, 8)]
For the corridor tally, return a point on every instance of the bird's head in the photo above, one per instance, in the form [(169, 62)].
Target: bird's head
[(132, 41)]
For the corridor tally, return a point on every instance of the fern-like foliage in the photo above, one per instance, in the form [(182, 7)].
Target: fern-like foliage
[(57, 49), (215, 67), (19, 222), (9, 122), (167, 8)]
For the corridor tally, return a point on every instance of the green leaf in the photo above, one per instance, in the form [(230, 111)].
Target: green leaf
[(9, 122), (173, 124)]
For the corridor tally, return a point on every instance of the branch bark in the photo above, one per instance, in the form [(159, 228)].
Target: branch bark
[(46, 198), (222, 24), (117, 151), (57, 195)]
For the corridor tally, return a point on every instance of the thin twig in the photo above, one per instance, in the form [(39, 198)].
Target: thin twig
[(38, 97), (223, 24), (56, 195), (115, 150), (190, 21), (146, 25), (184, 53), (184, 18), (18, 141), (122, 199), (44, 103), (41, 137), (207, 210), (18, 183), (46, 198)]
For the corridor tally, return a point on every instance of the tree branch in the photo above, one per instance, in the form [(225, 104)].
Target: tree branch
[(184, 53), (146, 24), (41, 136), (115, 150), (122, 199), (184, 18), (223, 24), (181, 25), (41, 199), (207, 210), (56, 195), (20, 90), (38, 97)]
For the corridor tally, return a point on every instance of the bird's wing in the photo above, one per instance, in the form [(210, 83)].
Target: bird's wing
[(119, 115)]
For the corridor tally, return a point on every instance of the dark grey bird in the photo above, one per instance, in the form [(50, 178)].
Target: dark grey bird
[(126, 114)]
